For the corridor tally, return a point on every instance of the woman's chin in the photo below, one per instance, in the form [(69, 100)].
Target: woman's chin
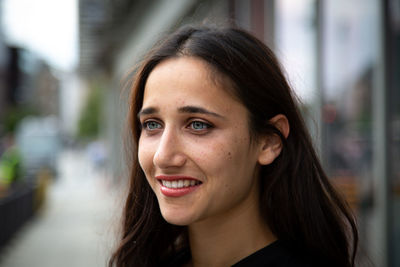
[(177, 218)]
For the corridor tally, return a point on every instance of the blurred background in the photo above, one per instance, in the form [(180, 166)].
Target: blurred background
[(62, 111)]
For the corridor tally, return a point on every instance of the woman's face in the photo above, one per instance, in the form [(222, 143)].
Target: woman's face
[(194, 146)]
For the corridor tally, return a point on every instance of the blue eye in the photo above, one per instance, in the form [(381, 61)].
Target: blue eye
[(199, 125), (151, 125)]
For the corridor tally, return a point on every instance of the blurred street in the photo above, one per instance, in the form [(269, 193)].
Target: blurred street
[(76, 225)]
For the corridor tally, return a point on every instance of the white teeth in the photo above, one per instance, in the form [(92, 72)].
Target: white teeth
[(179, 183)]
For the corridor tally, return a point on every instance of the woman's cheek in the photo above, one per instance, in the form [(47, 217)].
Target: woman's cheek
[(213, 155), (144, 155)]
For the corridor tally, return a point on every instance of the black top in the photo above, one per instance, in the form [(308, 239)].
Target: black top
[(273, 255)]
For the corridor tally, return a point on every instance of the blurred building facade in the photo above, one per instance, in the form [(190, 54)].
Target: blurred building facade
[(28, 87), (3, 60), (342, 58)]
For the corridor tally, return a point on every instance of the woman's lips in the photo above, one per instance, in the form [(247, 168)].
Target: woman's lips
[(177, 186)]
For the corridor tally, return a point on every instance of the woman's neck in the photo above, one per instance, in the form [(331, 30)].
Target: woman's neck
[(224, 240)]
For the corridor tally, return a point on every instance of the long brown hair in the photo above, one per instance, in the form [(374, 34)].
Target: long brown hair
[(297, 200)]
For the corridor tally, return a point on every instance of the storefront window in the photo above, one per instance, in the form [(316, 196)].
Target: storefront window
[(295, 40), (296, 46), (351, 42)]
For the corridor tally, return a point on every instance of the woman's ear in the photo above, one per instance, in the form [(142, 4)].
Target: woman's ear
[(271, 145)]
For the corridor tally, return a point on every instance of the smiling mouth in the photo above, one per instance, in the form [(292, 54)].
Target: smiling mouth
[(179, 183)]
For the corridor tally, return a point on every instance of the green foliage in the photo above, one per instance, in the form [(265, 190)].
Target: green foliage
[(13, 116), (89, 122), (10, 164)]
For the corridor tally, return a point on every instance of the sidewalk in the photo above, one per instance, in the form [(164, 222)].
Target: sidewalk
[(76, 226)]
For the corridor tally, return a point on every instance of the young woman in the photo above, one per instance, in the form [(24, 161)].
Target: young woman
[(224, 172)]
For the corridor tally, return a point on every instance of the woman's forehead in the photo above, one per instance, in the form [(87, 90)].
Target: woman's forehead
[(186, 81), (191, 73)]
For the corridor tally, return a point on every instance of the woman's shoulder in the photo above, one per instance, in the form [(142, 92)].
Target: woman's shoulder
[(277, 254)]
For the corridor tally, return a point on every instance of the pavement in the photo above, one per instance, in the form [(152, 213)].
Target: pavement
[(77, 225)]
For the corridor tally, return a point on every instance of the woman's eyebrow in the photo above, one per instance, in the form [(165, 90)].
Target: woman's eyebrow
[(147, 111), (195, 109), (185, 109)]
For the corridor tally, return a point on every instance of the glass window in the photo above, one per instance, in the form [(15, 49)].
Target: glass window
[(351, 42), (295, 45)]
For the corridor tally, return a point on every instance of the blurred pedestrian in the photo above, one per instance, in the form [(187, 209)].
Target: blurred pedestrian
[(224, 171)]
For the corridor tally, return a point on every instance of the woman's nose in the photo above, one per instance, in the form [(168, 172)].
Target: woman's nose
[(169, 152)]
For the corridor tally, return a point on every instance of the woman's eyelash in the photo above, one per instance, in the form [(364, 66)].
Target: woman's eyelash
[(195, 125), (199, 125), (151, 125)]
